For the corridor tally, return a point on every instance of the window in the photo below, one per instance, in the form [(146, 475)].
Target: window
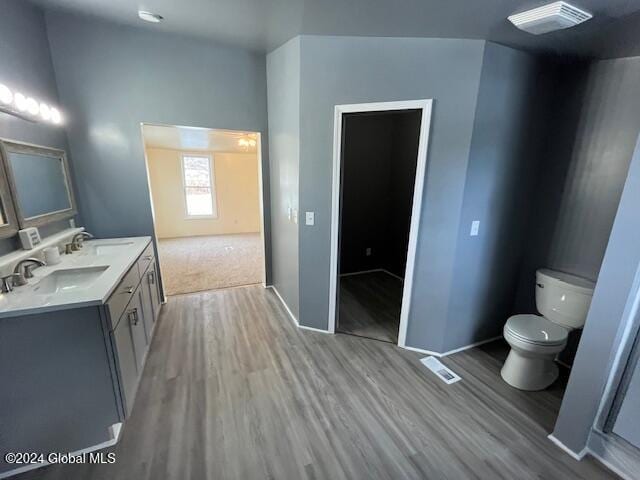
[(198, 175)]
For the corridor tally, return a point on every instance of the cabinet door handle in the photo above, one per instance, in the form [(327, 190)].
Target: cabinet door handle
[(148, 257), (133, 316), (128, 289), (152, 277)]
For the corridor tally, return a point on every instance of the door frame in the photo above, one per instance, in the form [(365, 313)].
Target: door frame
[(260, 194), (421, 166)]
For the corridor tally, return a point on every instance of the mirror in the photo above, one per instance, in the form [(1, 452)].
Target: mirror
[(8, 221), (40, 183)]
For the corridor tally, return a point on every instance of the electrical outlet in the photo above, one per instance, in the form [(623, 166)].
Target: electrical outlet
[(310, 218), (475, 228), (368, 252)]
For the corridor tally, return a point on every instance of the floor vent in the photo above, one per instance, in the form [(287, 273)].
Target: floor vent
[(445, 374)]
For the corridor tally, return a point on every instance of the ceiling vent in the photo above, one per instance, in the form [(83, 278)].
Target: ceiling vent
[(555, 16)]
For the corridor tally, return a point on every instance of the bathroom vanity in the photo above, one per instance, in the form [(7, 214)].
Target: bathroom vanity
[(73, 343)]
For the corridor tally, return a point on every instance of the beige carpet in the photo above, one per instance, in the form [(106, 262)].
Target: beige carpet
[(194, 264)]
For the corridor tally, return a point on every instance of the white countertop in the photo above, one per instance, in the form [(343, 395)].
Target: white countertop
[(25, 300)]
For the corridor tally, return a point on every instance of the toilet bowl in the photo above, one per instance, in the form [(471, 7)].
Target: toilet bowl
[(535, 340)]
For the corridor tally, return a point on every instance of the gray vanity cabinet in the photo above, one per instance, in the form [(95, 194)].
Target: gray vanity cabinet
[(126, 362), (132, 310)]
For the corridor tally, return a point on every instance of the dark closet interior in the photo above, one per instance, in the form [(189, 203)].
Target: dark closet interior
[(379, 158)]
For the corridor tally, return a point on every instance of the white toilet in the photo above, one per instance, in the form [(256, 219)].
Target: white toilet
[(563, 300)]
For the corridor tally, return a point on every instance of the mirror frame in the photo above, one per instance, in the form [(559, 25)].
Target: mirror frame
[(10, 228), (11, 146)]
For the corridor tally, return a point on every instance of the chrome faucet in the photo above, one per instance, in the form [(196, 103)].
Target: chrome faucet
[(20, 274), (78, 238)]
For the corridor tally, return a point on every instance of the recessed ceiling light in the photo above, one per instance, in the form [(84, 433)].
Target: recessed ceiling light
[(149, 16)]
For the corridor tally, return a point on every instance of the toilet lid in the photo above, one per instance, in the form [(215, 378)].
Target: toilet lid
[(536, 329)]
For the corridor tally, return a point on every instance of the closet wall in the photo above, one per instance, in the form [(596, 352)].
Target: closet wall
[(378, 174)]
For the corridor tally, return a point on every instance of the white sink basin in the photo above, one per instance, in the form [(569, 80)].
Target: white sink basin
[(107, 248), (68, 280)]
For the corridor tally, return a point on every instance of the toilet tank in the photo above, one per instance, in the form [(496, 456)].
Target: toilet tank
[(563, 298)]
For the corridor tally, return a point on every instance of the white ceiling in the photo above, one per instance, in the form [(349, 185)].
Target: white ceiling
[(196, 139), (265, 24)]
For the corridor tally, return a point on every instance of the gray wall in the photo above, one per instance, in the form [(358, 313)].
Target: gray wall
[(610, 125), (111, 78), (582, 174), (342, 70), (283, 78), (505, 152), (26, 66)]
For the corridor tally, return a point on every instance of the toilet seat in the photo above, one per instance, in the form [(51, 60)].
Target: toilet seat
[(536, 330)]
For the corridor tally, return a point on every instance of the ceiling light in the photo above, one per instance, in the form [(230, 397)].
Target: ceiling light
[(33, 107), (20, 101), (554, 16), (149, 16), (45, 111), (6, 96), (27, 108), (55, 116)]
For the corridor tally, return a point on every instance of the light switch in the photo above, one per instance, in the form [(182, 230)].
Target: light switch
[(310, 218), (295, 216), (289, 213), (475, 227)]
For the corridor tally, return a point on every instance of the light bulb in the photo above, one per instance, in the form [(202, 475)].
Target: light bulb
[(45, 111), (32, 106), (20, 101), (55, 115), (6, 96)]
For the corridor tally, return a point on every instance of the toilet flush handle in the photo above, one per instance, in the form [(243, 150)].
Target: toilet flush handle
[(541, 285)]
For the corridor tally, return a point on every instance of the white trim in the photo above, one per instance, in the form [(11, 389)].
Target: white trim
[(393, 275), (421, 350), (114, 431), (424, 105), (471, 345), (576, 456), (286, 307), (361, 272), (303, 327), (451, 352)]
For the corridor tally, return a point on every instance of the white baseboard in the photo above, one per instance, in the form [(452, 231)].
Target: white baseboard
[(362, 272), (451, 352), (293, 317), (114, 433), (284, 304), (472, 345), (576, 456), (420, 350), (304, 327)]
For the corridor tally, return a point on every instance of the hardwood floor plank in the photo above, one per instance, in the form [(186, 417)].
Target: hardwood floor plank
[(232, 390), (369, 306)]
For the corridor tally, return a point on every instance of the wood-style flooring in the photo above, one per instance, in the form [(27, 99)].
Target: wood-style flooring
[(233, 390), (370, 305)]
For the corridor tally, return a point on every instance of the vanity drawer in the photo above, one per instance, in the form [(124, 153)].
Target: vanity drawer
[(122, 294), (145, 259)]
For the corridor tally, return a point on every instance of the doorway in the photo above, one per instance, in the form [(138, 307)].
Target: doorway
[(379, 168), (206, 197)]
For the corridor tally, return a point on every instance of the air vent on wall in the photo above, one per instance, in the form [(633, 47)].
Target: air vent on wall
[(555, 16)]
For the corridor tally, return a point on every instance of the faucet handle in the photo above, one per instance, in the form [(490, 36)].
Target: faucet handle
[(6, 282), (28, 269), (68, 248)]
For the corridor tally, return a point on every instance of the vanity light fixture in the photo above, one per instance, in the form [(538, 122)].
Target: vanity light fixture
[(150, 16), (27, 108)]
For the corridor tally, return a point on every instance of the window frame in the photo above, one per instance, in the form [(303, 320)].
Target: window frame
[(212, 186)]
